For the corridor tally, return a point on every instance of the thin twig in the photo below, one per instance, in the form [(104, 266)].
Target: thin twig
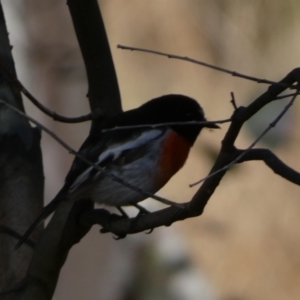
[(185, 58), (238, 158), (95, 166), (166, 125), (286, 96), (233, 100), (40, 106), (6, 230), (272, 161)]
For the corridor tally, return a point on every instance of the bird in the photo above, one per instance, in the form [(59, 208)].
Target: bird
[(144, 147)]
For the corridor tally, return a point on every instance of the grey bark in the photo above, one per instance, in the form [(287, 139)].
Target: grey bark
[(21, 173)]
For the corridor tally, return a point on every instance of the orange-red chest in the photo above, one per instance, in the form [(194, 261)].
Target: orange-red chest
[(175, 150)]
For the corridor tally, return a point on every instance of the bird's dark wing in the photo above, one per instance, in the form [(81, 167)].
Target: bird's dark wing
[(110, 150)]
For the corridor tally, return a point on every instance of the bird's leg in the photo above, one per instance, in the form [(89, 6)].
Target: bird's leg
[(142, 210), (122, 211), (125, 216)]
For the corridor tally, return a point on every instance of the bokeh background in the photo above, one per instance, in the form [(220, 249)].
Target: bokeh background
[(246, 245)]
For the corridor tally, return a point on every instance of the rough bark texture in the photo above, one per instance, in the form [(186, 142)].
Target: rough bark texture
[(63, 232), (21, 174)]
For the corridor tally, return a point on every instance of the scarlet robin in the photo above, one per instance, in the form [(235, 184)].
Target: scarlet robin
[(144, 147)]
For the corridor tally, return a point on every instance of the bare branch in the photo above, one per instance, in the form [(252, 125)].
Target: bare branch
[(123, 226), (103, 85), (286, 96), (271, 125), (233, 100), (227, 153), (198, 62), (166, 125), (272, 161), (20, 87), (6, 230)]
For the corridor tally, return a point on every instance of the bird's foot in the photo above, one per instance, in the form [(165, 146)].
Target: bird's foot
[(142, 211), (112, 218), (150, 231), (120, 237)]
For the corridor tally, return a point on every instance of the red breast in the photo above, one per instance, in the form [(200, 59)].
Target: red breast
[(175, 150)]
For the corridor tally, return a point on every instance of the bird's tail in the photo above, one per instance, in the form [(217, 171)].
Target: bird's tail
[(47, 211)]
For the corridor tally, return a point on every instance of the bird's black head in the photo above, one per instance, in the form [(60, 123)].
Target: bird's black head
[(176, 108), (166, 109), (173, 108)]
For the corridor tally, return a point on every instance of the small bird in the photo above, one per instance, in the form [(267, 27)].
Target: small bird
[(143, 146)]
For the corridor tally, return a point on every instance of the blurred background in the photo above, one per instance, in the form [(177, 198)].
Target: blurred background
[(246, 245)]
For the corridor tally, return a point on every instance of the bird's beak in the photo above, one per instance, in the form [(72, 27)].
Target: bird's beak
[(212, 125)]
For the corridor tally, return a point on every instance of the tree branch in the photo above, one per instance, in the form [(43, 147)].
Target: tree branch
[(272, 161), (227, 152), (6, 230), (167, 124), (204, 64), (20, 87), (62, 232), (265, 131), (21, 172), (102, 79)]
